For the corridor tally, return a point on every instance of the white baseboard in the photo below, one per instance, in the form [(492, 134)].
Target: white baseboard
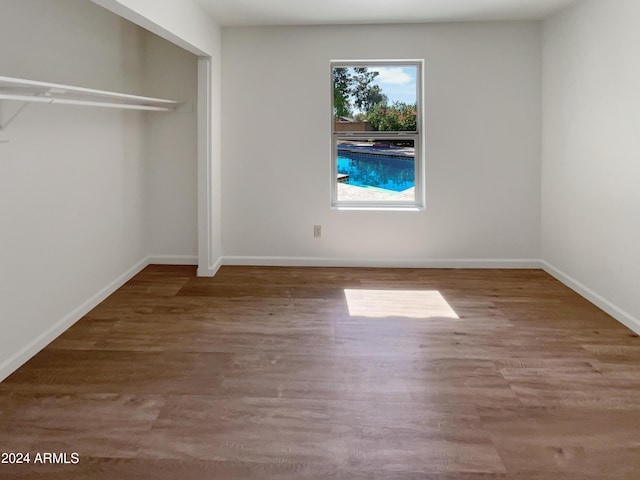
[(381, 263), (211, 270), (18, 359), (619, 314), (172, 260)]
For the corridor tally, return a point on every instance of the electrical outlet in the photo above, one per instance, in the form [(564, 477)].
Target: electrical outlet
[(317, 231)]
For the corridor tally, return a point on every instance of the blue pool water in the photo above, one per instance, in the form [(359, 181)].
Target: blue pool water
[(374, 171)]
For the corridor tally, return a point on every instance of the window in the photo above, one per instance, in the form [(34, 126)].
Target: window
[(377, 161)]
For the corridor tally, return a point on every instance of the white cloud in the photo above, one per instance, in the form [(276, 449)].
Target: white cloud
[(392, 75)]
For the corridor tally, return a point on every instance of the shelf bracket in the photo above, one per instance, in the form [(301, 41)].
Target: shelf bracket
[(5, 124)]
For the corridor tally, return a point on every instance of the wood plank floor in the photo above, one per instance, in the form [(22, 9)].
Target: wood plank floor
[(270, 373)]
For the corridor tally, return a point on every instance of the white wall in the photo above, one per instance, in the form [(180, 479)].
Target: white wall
[(72, 188), (482, 146), (171, 148), (184, 23), (591, 153)]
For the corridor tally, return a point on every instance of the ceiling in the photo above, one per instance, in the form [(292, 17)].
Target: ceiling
[(335, 12)]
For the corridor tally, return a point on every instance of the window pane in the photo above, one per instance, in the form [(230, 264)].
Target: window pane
[(375, 170), (376, 131), (375, 98)]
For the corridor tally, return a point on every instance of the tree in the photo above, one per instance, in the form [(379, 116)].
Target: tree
[(399, 117), (364, 93), (341, 92), (354, 88)]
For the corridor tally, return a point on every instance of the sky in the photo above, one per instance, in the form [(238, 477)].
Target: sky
[(397, 83)]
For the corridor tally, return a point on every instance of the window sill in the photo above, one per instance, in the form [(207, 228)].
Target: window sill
[(378, 208)]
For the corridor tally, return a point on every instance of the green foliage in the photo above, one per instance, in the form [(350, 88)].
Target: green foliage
[(365, 95), (352, 87), (360, 117), (341, 92), (399, 117)]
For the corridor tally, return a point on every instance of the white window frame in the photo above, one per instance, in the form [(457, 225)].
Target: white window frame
[(419, 182)]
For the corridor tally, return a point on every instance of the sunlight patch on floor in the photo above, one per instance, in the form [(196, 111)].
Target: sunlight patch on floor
[(380, 303)]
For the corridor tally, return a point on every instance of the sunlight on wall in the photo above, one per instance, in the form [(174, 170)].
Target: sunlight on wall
[(397, 303)]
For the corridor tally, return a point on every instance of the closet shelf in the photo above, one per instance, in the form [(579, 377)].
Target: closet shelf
[(22, 90)]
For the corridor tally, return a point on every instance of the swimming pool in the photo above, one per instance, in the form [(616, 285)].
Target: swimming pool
[(377, 171)]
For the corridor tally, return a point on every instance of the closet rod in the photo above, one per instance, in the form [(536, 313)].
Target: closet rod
[(88, 103), (57, 88)]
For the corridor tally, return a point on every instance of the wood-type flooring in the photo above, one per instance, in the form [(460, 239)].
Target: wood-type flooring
[(332, 373)]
